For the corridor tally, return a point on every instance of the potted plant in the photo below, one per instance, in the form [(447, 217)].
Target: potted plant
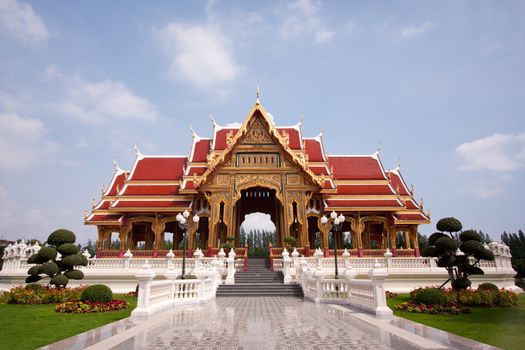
[(289, 242)]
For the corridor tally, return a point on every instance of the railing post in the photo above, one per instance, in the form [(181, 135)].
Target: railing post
[(197, 258), (271, 256), (349, 271), (319, 258), (230, 278), (221, 256), (318, 288), (286, 266), (145, 275), (127, 258), (378, 276), (246, 257), (295, 257), (388, 255)]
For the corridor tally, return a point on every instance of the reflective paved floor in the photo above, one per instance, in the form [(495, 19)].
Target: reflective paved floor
[(266, 323)]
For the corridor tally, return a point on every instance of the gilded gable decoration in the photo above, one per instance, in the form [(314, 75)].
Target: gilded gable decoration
[(257, 135)]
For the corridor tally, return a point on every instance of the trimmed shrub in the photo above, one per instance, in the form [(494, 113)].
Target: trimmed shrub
[(484, 255), (68, 249), (49, 269), (469, 235), (449, 225), (446, 261), (72, 260), (186, 277), (434, 237), (32, 259), (59, 280), (446, 244), (461, 283), (430, 296), (97, 293), (33, 279), (74, 274), (61, 236), (84, 260), (46, 254), (488, 287), (35, 270), (472, 247), (429, 251)]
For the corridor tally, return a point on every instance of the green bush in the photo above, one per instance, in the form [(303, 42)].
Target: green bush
[(34, 270), (46, 254), (59, 280), (469, 235), (68, 249), (33, 279), (49, 268), (97, 292), (461, 283), (72, 260), (488, 287), (188, 277), (449, 225), (434, 237), (74, 274), (446, 243), (430, 296), (61, 236), (472, 247)]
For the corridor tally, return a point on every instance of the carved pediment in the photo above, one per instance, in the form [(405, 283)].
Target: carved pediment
[(257, 134)]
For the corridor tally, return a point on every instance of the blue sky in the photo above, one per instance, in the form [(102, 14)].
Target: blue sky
[(438, 84)]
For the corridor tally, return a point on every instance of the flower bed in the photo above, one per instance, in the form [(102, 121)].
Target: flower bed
[(79, 307), (458, 302), (43, 295)]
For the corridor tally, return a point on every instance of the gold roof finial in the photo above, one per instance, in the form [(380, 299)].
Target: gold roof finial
[(257, 94)]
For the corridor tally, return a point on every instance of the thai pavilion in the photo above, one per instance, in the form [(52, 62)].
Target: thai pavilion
[(257, 167)]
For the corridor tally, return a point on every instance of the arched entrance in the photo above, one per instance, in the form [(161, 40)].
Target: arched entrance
[(258, 231), (259, 200)]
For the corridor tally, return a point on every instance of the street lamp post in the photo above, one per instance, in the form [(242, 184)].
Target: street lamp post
[(337, 224), (182, 219)]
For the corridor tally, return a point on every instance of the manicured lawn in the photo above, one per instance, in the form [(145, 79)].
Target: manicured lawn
[(33, 326), (501, 327)]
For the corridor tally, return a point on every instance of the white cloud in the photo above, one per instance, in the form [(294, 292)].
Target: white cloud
[(498, 152), (22, 142), (52, 72), (415, 30), (20, 21), (107, 100), (484, 190), (201, 54), (258, 221), (302, 18)]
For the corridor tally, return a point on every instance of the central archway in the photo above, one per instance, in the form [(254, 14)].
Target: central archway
[(261, 200), (258, 231)]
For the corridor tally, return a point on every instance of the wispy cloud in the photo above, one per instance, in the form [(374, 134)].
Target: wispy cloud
[(498, 152), (414, 31), (200, 54), (23, 142), (303, 19), (98, 102), (19, 21)]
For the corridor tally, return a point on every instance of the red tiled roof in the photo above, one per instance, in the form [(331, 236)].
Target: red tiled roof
[(220, 138), (105, 218), (410, 217), (151, 190), (365, 189), (118, 180), (159, 204), (196, 170), (104, 204), (398, 184), (356, 168), (158, 168), (319, 170), (314, 150), (410, 204), (362, 203), (294, 137), (200, 150)]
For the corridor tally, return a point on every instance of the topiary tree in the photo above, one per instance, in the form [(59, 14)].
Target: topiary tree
[(59, 268), (97, 293), (460, 263)]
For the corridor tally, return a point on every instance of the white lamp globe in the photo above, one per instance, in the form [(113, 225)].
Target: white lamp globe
[(196, 218), (179, 217), (333, 215), (183, 220), (336, 221), (186, 214), (324, 220), (341, 218)]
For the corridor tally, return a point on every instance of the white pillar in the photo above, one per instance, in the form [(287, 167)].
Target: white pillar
[(144, 276), (378, 275), (388, 255), (127, 257), (230, 278), (286, 266)]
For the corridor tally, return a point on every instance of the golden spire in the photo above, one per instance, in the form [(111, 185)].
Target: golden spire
[(257, 94)]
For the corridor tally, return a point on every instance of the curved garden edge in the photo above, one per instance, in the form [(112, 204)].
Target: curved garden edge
[(498, 326)]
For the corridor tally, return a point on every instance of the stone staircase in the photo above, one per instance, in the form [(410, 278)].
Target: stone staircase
[(259, 281)]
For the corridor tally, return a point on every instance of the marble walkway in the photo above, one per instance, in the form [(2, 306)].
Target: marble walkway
[(265, 323)]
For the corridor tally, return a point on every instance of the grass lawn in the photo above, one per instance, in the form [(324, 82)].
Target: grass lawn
[(501, 327), (33, 326)]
